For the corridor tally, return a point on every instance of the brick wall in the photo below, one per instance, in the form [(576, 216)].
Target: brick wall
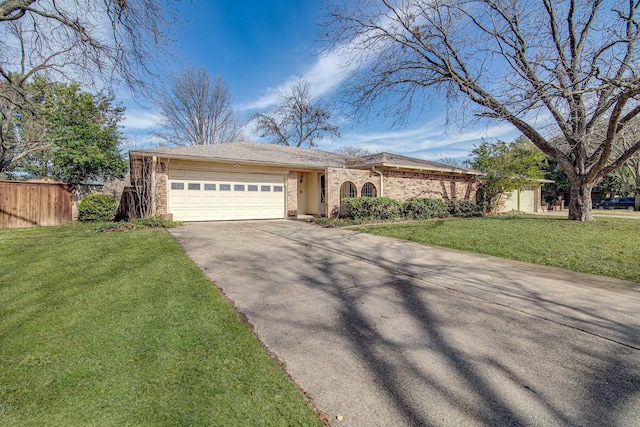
[(336, 177), (292, 194), (401, 185), (161, 187)]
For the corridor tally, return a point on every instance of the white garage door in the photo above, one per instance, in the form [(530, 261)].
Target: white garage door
[(201, 195), (523, 200), (528, 199), (511, 201)]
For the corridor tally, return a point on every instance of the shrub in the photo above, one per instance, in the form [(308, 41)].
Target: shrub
[(464, 209), (154, 221), (371, 208), (419, 208), (97, 207)]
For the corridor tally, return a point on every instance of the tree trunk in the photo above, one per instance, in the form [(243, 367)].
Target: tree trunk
[(580, 203)]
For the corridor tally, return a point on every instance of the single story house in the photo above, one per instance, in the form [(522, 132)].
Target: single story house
[(248, 180)]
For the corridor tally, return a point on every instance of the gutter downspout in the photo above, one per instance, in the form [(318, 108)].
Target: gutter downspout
[(373, 168)]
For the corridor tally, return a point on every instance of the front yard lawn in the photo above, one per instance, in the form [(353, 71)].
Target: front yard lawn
[(608, 246), (123, 329)]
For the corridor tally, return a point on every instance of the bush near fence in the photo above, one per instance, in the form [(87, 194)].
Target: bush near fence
[(97, 207)]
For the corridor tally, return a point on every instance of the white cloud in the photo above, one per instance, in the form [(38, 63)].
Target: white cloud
[(139, 120), (326, 73), (323, 76), (428, 141)]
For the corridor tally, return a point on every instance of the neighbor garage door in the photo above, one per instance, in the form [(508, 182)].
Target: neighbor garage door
[(523, 200), (528, 199), (202, 195)]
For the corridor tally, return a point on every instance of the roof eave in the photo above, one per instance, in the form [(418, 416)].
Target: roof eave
[(223, 160), (421, 169)]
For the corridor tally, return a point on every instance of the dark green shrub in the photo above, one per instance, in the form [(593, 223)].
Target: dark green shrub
[(438, 206), (385, 208), (378, 208), (419, 208), (97, 207), (464, 209)]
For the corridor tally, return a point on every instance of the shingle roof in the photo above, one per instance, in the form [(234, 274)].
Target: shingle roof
[(252, 152), (403, 162), (280, 155)]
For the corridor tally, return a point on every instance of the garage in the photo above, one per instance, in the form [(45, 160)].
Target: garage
[(522, 200), (528, 199), (210, 195)]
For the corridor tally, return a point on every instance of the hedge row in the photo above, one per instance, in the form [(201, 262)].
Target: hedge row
[(381, 208)]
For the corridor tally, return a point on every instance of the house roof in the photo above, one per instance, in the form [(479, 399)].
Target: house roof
[(389, 160), (280, 155), (252, 153)]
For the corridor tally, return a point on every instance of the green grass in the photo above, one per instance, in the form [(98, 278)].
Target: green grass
[(123, 329), (608, 246)]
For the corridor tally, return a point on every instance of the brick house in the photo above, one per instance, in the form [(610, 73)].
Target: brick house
[(248, 180)]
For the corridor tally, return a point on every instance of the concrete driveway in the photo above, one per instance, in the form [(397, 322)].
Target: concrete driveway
[(382, 332)]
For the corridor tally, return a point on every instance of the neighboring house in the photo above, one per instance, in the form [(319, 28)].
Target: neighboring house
[(248, 180), (525, 199)]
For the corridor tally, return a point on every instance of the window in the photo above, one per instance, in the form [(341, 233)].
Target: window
[(177, 185), (368, 190), (209, 187), (252, 187), (194, 186), (323, 189), (225, 187), (265, 188), (277, 188), (238, 187), (348, 189)]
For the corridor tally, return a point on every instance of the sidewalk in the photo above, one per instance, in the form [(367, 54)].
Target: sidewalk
[(617, 213)]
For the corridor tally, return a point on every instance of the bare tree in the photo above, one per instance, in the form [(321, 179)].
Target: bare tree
[(296, 121), (196, 110), (547, 67), (353, 151), (106, 43)]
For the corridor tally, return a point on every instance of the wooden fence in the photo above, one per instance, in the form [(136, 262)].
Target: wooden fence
[(31, 204)]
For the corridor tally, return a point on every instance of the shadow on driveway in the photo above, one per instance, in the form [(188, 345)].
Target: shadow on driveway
[(383, 332)]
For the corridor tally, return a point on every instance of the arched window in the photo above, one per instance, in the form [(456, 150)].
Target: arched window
[(348, 189), (368, 190)]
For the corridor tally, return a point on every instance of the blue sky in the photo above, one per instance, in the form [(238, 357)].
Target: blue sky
[(261, 47)]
